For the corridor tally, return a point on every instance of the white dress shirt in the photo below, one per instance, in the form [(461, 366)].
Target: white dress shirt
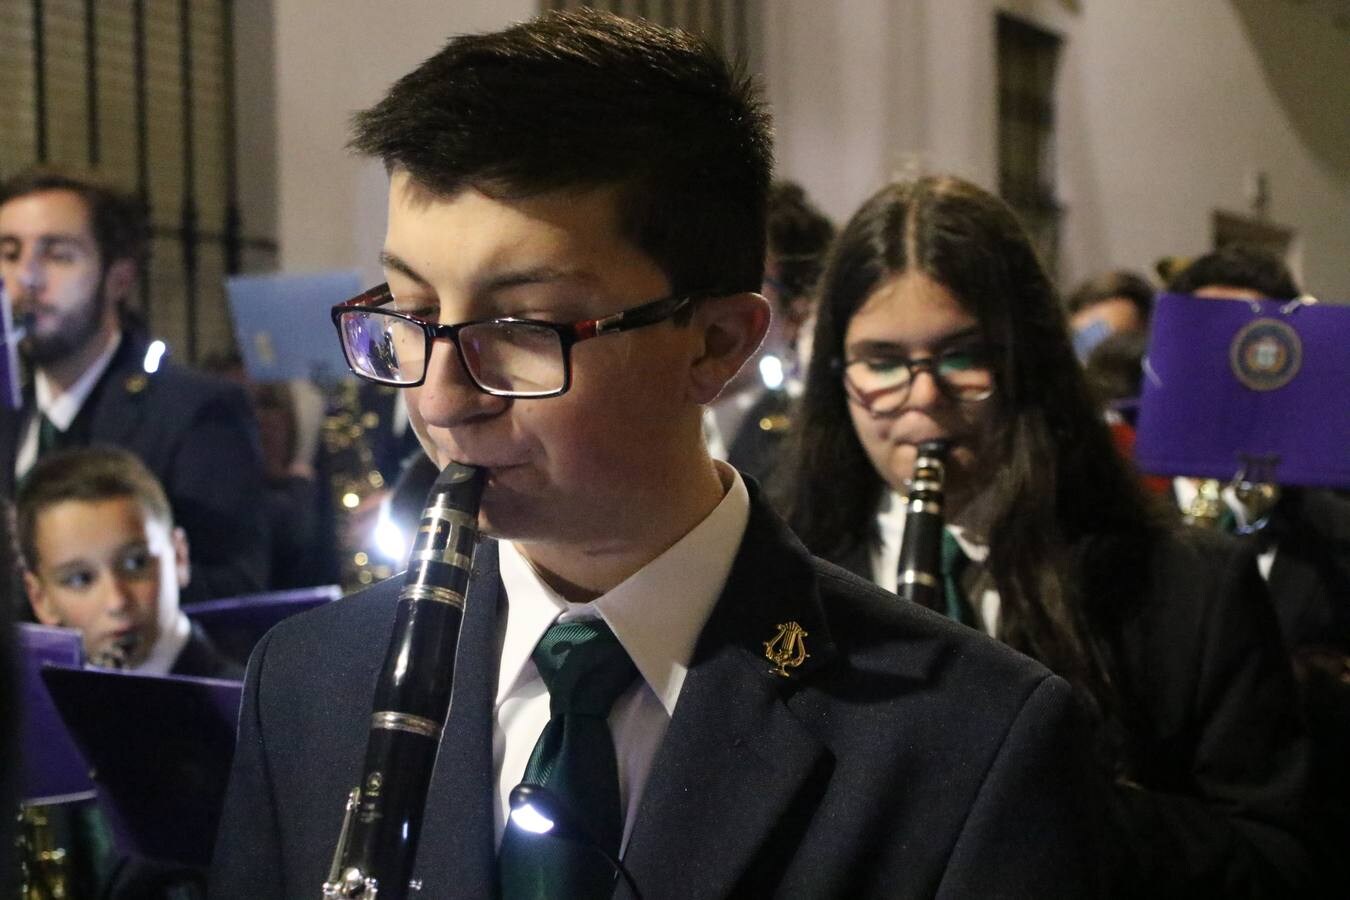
[(657, 615), (975, 581), (172, 640), (61, 409)]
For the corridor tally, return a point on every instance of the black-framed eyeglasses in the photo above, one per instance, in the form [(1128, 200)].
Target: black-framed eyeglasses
[(881, 383), (506, 357)]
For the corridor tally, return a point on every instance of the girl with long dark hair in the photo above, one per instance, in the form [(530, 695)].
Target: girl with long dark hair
[(937, 321)]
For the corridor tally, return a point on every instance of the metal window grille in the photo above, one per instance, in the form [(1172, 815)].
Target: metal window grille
[(1028, 58), (141, 92)]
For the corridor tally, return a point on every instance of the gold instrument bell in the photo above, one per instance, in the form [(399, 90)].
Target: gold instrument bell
[(1208, 508)]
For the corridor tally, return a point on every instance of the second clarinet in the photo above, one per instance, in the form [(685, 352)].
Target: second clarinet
[(920, 568)]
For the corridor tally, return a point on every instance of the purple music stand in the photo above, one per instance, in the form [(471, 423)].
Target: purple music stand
[(236, 624), (1259, 389), (161, 748), (53, 771)]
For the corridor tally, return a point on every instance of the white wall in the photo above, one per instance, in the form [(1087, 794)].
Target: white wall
[(1166, 110), (333, 58), (1178, 112), (864, 91)]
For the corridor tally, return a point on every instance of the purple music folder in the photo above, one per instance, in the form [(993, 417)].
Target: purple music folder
[(11, 391), (160, 747), (237, 623), (53, 770), (1260, 387)]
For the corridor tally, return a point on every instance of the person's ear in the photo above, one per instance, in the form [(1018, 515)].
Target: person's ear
[(120, 279), (43, 609), (180, 557), (731, 329)]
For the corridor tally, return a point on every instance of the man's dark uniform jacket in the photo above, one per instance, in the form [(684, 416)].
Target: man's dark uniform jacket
[(197, 435), (1216, 793), (906, 757)]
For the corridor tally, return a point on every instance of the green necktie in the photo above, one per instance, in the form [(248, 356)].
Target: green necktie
[(954, 562), (49, 436), (585, 669)]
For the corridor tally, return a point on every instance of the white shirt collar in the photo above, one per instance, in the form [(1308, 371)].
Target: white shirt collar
[(61, 411), (885, 556), (164, 654), (657, 613), (975, 548), (891, 525)]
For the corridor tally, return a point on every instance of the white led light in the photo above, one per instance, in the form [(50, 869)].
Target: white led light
[(771, 371), (389, 540), (530, 819), (153, 354)]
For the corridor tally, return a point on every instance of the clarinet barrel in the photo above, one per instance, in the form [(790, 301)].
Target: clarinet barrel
[(378, 842), (920, 568)]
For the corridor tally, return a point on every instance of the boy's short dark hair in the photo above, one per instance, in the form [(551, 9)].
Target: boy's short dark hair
[(117, 218), (89, 475), (799, 238), (1108, 285), (584, 99), (1114, 368), (1240, 266)]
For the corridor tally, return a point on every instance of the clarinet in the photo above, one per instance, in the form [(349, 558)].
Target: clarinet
[(383, 819), (920, 568)]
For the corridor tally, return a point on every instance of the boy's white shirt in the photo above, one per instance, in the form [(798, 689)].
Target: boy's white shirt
[(657, 615)]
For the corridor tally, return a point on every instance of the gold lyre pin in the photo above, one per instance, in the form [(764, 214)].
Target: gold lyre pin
[(787, 649)]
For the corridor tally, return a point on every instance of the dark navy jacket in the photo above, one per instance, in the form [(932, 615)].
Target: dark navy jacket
[(1217, 798), (907, 757)]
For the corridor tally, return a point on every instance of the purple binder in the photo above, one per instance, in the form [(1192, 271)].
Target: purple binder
[(160, 747), (237, 623), (1260, 387), (10, 378), (53, 770)]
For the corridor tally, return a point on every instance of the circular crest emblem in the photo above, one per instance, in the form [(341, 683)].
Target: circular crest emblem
[(1266, 355)]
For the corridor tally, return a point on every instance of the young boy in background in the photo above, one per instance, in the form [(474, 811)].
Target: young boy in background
[(100, 553)]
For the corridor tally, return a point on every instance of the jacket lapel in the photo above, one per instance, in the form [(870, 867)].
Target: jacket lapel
[(459, 822), (115, 408), (1293, 586), (9, 448), (734, 735)]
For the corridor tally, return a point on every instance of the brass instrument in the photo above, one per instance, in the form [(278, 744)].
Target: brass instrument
[(44, 866), (380, 829), (1206, 508), (1258, 500), (355, 482), (920, 569), (117, 654)]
